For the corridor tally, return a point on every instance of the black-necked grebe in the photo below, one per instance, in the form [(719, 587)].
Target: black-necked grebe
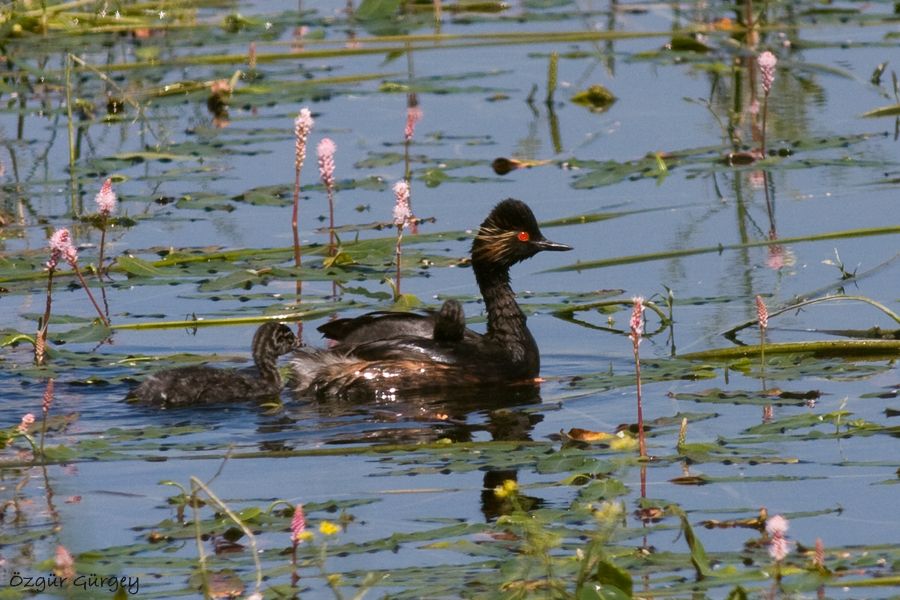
[(384, 352), (195, 386)]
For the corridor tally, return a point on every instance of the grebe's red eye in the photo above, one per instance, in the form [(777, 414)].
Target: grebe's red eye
[(523, 236)]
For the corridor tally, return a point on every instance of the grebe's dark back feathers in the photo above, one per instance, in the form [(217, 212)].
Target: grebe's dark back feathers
[(377, 325), (448, 323)]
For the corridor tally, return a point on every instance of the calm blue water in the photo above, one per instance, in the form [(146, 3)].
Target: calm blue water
[(819, 93)]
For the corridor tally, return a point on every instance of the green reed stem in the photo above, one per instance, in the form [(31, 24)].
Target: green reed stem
[(875, 349), (636, 258), (251, 539), (71, 133)]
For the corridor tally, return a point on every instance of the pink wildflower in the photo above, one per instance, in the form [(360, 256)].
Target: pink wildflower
[(48, 397), (251, 56), (776, 527), (27, 421), (302, 126), (757, 180), (65, 564), (220, 87), (402, 214), (819, 556), (753, 109), (61, 248), (767, 62), (298, 524), (106, 199), (413, 116), (762, 313), (326, 150), (637, 320)]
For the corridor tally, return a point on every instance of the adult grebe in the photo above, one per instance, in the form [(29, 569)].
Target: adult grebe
[(384, 352)]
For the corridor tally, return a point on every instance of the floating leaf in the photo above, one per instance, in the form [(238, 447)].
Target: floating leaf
[(92, 333), (687, 43), (596, 97), (137, 266), (373, 10)]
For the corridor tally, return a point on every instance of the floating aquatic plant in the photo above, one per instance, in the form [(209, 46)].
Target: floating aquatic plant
[(303, 124), (776, 528), (61, 249), (325, 151), (45, 410), (402, 218), (766, 62), (107, 203), (636, 327)]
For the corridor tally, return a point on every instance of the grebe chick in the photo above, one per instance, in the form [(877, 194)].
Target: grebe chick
[(196, 386), (386, 352)]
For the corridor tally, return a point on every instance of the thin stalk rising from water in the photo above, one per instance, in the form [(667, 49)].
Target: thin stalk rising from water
[(325, 151), (637, 328)]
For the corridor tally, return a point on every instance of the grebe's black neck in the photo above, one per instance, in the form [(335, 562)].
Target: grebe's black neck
[(505, 320)]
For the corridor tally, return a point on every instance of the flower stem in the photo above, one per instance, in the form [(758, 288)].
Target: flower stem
[(295, 220), (40, 345), (102, 247), (642, 442), (398, 251), (331, 245), (90, 295), (762, 355)]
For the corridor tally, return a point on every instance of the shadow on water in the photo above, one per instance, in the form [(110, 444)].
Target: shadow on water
[(498, 414)]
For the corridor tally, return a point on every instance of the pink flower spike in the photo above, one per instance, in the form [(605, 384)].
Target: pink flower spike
[(402, 214), (753, 109), (778, 548), (48, 397), (303, 124), (298, 524), (637, 320), (61, 248), (326, 150), (65, 564), (413, 116), (776, 527), (762, 314), (767, 62), (106, 199), (27, 421)]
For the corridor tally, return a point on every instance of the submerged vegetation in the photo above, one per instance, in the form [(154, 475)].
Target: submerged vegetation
[(204, 221)]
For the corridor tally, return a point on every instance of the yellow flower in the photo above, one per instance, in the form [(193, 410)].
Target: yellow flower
[(508, 488), (329, 528), (623, 444), (303, 536), (609, 512)]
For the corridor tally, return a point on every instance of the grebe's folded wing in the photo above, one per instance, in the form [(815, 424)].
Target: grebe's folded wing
[(378, 325)]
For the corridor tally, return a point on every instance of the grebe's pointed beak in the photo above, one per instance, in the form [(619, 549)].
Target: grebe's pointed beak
[(553, 246)]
